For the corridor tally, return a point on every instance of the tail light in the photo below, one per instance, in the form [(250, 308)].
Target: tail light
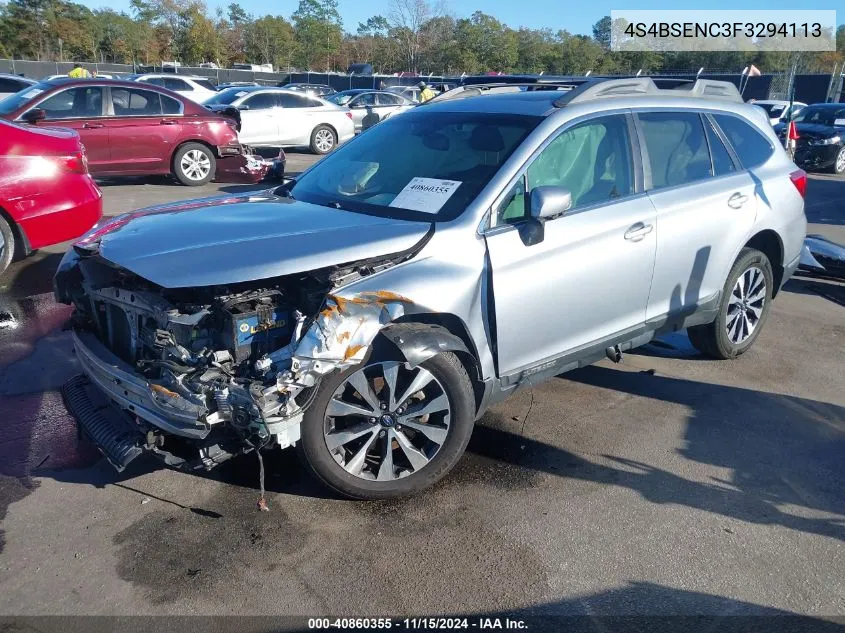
[(76, 163), (799, 179)]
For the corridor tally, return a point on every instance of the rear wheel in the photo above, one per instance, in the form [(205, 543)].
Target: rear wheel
[(386, 429), (7, 245), (323, 139), (194, 164), (746, 299)]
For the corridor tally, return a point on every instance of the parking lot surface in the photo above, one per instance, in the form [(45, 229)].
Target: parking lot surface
[(668, 484)]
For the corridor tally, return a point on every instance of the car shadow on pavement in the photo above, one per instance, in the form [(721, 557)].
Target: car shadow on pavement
[(640, 606), (30, 276), (829, 288)]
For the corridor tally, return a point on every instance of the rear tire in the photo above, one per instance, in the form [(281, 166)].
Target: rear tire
[(194, 164), (743, 310), (323, 139), (7, 245), (415, 462)]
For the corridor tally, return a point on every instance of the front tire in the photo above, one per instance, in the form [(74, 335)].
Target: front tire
[(7, 245), (746, 300), (194, 164), (323, 139), (385, 430), (838, 166)]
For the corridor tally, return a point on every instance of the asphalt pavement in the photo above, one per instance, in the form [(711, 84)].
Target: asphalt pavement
[(667, 485)]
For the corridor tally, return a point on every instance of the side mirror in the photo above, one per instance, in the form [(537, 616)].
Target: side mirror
[(34, 116), (549, 201)]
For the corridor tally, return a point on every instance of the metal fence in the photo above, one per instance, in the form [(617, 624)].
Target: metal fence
[(809, 88)]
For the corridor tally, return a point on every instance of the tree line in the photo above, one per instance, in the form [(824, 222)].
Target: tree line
[(413, 36)]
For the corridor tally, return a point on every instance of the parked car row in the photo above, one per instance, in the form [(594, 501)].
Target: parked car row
[(820, 145)]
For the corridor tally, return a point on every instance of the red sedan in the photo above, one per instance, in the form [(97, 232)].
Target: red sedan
[(46, 193), (138, 129)]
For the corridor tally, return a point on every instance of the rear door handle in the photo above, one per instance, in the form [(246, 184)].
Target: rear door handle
[(92, 126), (638, 231), (737, 200), (167, 122)]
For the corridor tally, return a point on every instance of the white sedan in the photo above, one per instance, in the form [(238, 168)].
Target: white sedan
[(275, 117)]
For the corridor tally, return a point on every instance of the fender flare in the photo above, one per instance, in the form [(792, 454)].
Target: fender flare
[(418, 342)]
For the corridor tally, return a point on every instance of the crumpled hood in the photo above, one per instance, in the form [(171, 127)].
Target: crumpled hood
[(230, 239)]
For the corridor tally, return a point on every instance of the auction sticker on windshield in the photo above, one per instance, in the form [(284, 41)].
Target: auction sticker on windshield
[(425, 194)]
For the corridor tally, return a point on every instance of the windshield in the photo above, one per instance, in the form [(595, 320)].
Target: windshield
[(227, 96), (15, 101), (421, 166), (813, 114)]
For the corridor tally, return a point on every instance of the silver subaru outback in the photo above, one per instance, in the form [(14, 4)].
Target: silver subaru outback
[(371, 310)]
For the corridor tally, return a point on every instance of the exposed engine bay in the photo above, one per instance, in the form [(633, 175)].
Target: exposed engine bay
[(230, 367)]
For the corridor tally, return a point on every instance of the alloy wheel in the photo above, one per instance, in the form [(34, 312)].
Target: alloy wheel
[(745, 306), (840, 161), (387, 421), (195, 164), (324, 140)]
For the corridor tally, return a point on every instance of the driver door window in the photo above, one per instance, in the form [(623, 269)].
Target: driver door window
[(75, 103), (592, 160)]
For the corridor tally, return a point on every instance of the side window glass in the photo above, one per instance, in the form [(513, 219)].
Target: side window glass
[(513, 208), (261, 101), (722, 161), (592, 160), (132, 102), (177, 85), (74, 103), (677, 150), (750, 145), (170, 105), (156, 81), (292, 101)]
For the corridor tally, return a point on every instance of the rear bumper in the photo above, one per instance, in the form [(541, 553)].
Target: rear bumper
[(63, 212), (131, 393)]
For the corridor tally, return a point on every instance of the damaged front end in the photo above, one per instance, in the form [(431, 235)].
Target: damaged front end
[(198, 375)]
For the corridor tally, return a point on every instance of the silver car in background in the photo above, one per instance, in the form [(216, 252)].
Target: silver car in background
[(277, 117), (379, 105), (371, 310)]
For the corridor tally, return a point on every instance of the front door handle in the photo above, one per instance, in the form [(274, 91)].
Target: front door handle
[(638, 231), (167, 122), (92, 126), (737, 200)]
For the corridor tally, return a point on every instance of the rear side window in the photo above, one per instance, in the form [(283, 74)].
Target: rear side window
[(722, 161), (156, 81), (133, 102), (204, 83), (177, 85), (292, 101), (677, 148), (750, 145)]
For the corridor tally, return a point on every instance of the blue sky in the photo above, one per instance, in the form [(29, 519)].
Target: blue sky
[(578, 17)]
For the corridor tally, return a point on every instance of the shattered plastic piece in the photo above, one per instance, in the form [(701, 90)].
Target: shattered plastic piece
[(145, 500)]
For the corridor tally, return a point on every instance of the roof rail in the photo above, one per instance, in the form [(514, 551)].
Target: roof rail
[(475, 90), (646, 86)]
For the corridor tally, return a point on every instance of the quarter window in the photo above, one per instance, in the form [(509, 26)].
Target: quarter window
[(677, 149), (169, 105), (592, 160), (75, 103), (722, 161), (133, 102), (750, 145)]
